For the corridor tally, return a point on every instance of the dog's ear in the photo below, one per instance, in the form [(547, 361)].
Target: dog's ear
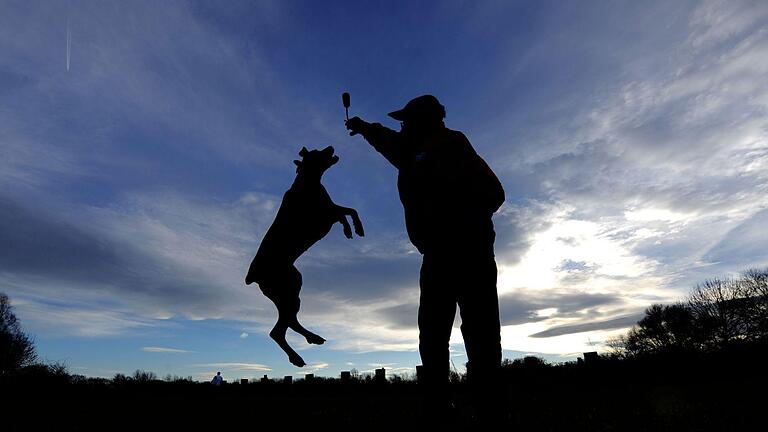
[(297, 163), (303, 152), (334, 160)]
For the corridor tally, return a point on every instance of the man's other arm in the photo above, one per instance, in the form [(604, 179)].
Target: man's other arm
[(484, 182)]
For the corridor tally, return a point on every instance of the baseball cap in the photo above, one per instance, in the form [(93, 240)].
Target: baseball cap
[(422, 107)]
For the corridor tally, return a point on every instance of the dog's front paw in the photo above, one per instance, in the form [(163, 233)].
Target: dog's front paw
[(347, 232), (359, 230)]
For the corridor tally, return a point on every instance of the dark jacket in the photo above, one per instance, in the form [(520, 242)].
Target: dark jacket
[(449, 193)]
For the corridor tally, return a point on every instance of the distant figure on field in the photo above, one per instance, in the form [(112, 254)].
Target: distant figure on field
[(449, 194), (306, 215), (217, 380)]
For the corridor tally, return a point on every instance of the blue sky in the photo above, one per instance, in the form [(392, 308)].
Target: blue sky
[(139, 172)]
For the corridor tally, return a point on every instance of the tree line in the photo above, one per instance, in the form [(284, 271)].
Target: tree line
[(719, 314), (16, 348)]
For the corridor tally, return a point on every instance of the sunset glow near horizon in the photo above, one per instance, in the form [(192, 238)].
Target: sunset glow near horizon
[(145, 147)]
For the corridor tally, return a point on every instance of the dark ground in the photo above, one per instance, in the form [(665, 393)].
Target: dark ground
[(691, 393)]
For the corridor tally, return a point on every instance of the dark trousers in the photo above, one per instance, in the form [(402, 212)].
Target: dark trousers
[(466, 279)]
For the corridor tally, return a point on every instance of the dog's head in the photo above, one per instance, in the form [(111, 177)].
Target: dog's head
[(315, 161)]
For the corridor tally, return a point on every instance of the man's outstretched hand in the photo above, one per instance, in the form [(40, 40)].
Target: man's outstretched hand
[(356, 125)]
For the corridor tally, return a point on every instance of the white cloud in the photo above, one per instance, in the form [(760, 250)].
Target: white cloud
[(518, 338), (53, 318), (153, 349), (238, 366), (654, 214), (314, 368), (715, 21), (573, 240)]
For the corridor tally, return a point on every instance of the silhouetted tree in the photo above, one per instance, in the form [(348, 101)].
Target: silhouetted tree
[(16, 348), (718, 312), (527, 362), (733, 309), (120, 379), (754, 284), (144, 376), (716, 305), (664, 328), (176, 378)]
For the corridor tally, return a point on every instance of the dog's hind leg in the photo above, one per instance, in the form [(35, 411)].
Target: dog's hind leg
[(291, 317), (285, 296), (286, 316), (308, 335), (278, 334)]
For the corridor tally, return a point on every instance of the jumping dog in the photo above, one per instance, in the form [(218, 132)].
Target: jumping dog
[(306, 215)]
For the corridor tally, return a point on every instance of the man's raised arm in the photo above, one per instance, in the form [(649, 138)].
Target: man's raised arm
[(384, 140)]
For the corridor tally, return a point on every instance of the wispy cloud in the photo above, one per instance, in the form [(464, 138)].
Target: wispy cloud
[(616, 323), (238, 366), (56, 318), (153, 349), (314, 368)]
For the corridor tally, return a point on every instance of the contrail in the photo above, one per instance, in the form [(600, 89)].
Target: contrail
[(69, 43)]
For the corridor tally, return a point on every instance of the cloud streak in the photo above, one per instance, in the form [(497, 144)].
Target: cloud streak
[(153, 349), (616, 323), (250, 367)]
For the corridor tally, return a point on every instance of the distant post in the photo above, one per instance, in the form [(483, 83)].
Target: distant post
[(243, 381), (265, 379), (287, 379), (591, 358), (346, 376), (309, 377), (381, 377)]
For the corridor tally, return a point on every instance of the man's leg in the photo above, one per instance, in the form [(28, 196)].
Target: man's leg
[(479, 306), (437, 309)]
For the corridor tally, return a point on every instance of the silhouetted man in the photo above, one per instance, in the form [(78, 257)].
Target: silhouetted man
[(218, 379), (449, 194)]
